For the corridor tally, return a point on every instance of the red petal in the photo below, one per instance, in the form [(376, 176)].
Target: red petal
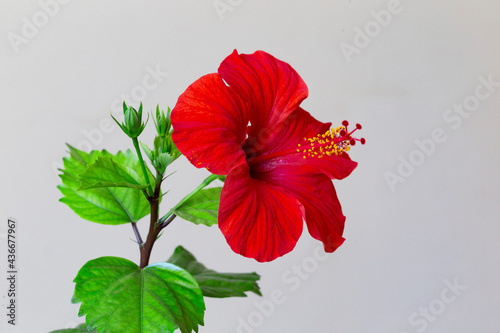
[(259, 220), (210, 125), (293, 130), (272, 87), (323, 213)]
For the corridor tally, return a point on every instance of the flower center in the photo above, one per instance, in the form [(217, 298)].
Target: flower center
[(335, 141)]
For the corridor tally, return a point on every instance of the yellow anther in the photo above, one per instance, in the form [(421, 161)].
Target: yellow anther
[(328, 143)]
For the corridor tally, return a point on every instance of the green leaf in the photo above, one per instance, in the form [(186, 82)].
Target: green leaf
[(105, 172), (105, 205), (79, 329), (201, 208), (212, 283), (118, 296), (147, 151)]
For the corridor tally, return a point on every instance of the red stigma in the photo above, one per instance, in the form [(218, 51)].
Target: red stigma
[(346, 136)]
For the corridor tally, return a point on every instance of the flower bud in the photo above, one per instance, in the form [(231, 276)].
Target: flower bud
[(164, 151), (163, 160), (162, 122), (132, 124), (158, 158)]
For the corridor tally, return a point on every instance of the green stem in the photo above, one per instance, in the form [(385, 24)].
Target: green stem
[(203, 184), (200, 187), (143, 165)]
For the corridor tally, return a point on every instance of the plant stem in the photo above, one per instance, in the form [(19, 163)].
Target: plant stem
[(168, 220), (143, 165), (137, 234), (154, 229), (155, 224), (205, 183)]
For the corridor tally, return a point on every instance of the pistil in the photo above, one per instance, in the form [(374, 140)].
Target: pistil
[(335, 141)]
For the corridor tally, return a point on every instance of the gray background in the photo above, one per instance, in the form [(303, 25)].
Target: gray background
[(404, 245)]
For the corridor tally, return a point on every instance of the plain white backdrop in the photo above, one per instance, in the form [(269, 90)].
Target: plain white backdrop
[(422, 251)]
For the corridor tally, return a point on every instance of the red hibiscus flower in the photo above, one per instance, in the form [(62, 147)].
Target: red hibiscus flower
[(245, 122)]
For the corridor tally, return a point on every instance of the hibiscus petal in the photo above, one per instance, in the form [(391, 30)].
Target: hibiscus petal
[(210, 125), (292, 132), (272, 87), (322, 210), (259, 220)]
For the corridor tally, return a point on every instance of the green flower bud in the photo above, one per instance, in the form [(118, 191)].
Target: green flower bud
[(163, 160), (132, 125), (164, 151), (162, 122)]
